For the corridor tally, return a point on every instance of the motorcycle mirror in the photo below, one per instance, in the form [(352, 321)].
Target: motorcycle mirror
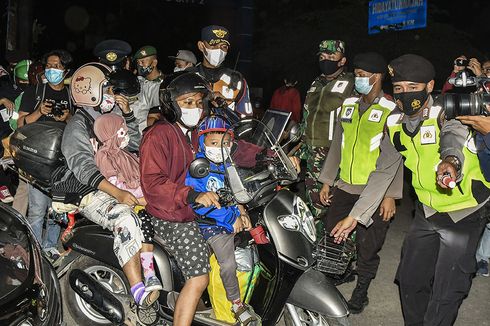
[(294, 133), (199, 168)]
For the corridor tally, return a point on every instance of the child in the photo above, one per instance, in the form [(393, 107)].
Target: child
[(228, 220), (121, 168)]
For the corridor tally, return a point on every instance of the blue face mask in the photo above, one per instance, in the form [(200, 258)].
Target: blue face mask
[(54, 76), (362, 85)]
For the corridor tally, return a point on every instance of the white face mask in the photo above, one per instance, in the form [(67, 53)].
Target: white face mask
[(124, 142), (107, 103), (215, 57), (190, 117), (215, 154), (177, 69)]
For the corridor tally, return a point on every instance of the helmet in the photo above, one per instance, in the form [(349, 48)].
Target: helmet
[(124, 82), (21, 69), (87, 82), (185, 83), (212, 124)]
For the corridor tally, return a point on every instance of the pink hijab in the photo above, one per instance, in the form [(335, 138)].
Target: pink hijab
[(111, 160)]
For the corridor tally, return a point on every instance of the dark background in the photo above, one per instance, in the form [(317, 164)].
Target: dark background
[(270, 39)]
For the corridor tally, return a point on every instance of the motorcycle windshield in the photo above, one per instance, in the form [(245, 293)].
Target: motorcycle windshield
[(15, 254), (255, 160)]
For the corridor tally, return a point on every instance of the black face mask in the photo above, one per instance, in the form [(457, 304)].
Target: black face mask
[(411, 102), (328, 67), (144, 71)]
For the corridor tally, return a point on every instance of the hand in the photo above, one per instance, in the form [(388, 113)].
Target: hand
[(45, 107), (478, 122), (325, 197), (457, 69), (8, 104), (475, 66), (387, 208), (65, 115), (238, 226), (247, 225), (445, 168), (123, 103), (295, 161), (208, 199), (342, 230), (125, 197)]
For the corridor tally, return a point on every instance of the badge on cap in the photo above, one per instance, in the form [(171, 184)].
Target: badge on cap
[(143, 53), (219, 33), (111, 56), (390, 71)]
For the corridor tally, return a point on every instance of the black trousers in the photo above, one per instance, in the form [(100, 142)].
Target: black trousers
[(437, 266), (368, 240)]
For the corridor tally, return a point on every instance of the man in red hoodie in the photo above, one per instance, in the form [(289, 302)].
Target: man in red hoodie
[(167, 150), (287, 98)]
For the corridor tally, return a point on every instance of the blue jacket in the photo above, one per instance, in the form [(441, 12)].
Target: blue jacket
[(226, 216), (483, 146)]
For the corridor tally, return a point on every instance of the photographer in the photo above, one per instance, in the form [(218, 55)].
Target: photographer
[(51, 101), (46, 102), (472, 67)]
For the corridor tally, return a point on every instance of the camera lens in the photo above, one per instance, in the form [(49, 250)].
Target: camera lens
[(464, 104)]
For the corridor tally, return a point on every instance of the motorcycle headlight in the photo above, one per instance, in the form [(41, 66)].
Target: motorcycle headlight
[(301, 220)]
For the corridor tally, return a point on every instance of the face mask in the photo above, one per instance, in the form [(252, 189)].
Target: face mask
[(411, 102), (215, 154), (215, 57), (107, 103), (190, 117), (177, 69), (54, 76), (124, 142), (362, 85), (144, 71), (328, 67)]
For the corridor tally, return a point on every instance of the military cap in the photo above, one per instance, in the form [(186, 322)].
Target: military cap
[(331, 46), (145, 51), (112, 51), (215, 34), (411, 67), (371, 62)]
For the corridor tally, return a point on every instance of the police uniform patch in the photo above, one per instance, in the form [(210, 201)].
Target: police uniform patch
[(220, 33), (339, 86), (375, 116), (427, 135), (347, 114), (111, 56)]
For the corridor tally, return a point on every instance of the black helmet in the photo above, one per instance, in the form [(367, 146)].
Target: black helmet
[(187, 82), (124, 82)]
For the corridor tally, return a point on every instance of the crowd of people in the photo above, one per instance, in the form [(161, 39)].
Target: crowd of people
[(127, 156)]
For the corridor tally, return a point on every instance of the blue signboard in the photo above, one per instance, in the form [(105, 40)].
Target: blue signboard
[(396, 15)]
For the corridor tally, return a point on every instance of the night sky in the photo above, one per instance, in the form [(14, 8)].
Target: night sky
[(269, 41)]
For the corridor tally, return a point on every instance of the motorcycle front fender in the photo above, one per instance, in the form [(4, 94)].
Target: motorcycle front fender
[(313, 291)]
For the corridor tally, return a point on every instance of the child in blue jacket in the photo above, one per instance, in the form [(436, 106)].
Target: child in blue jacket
[(226, 221)]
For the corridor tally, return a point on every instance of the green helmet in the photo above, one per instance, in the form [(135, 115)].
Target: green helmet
[(21, 69)]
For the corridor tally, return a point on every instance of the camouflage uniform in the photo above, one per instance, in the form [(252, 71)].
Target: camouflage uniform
[(322, 100)]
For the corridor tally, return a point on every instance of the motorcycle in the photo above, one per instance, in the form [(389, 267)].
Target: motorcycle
[(96, 292)]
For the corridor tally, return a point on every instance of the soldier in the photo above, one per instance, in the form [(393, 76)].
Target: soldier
[(325, 96)]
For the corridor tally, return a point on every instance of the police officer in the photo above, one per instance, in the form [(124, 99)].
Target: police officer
[(113, 53), (150, 78), (354, 150), (326, 94), (227, 84), (438, 254)]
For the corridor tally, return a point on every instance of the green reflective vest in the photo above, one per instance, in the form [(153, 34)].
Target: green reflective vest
[(361, 138), (421, 153)]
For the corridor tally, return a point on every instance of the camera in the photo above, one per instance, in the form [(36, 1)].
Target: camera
[(57, 107), (461, 62), (467, 104)]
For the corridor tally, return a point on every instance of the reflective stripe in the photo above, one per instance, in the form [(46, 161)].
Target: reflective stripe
[(330, 125), (375, 142)]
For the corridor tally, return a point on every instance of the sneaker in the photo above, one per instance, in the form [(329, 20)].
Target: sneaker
[(482, 266), (245, 315), (148, 298), (54, 256), (5, 195), (153, 284)]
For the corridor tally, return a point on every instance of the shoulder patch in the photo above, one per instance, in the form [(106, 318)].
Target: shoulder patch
[(384, 102), (434, 112), (393, 120), (350, 100)]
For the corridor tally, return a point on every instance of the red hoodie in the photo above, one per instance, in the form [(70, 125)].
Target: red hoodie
[(165, 156)]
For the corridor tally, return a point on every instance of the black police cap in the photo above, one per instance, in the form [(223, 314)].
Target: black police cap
[(371, 62), (411, 67), (112, 51)]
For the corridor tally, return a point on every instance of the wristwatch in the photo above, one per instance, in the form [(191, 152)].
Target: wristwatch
[(454, 161)]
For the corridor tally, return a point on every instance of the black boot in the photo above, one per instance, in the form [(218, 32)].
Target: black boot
[(359, 298)]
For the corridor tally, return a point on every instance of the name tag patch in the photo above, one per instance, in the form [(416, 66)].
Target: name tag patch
[(427, 135), (375, 116)]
